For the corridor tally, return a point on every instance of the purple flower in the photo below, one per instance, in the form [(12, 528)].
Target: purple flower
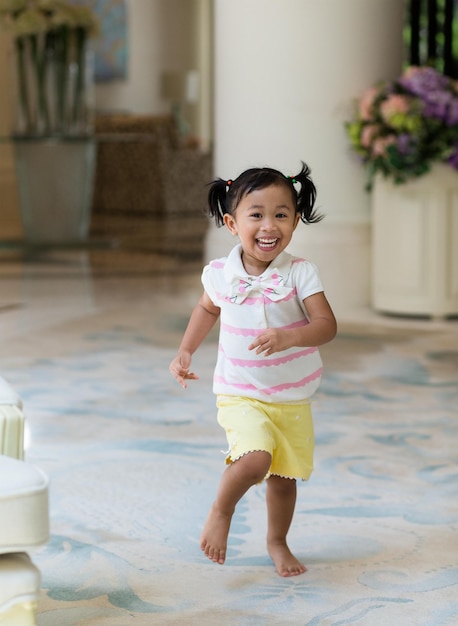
[(405, 144), (453, 158), (437, 104), (411, 123), (452, 113), (421, 81)]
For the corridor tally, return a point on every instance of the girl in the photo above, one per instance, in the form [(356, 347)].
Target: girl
[(273, 313)]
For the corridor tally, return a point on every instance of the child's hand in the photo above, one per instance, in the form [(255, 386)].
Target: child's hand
[(271, 340), (179, 368)]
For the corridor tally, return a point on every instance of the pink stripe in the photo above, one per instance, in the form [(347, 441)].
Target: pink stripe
[(217, 264), (262, 299), (271, 390), (254, 332), (264, 362)]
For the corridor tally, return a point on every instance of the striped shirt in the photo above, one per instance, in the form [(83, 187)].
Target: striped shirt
[(249, 305)]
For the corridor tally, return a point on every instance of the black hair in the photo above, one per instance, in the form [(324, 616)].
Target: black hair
[(225, 195)]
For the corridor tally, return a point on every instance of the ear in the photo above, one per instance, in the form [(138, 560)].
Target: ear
[(297, 217), (230, 223)]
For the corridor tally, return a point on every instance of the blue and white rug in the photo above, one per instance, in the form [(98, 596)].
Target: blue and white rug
[(134, 462)]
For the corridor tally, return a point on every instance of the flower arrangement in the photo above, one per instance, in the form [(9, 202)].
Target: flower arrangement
[(50, 38), (404, 126)]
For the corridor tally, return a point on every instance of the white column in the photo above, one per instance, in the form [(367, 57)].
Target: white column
[(286, 76)]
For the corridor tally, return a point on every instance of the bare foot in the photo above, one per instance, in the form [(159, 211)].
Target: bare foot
[(213, 541), (285, 562)]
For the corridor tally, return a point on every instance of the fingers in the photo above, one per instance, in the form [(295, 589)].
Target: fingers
[(181, 373), (269, 342), (257, 343), (182, 379), (262, 343), (190, 376)]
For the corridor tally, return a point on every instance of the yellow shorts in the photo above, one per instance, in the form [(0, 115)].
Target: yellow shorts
[(285, 431)]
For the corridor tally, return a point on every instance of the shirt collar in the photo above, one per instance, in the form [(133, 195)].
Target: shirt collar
[(272, 283)]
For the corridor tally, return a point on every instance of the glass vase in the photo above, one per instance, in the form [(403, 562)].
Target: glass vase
[(55, 182), (54, 84)]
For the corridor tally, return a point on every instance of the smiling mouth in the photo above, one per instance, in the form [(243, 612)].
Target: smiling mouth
[(267, 244)]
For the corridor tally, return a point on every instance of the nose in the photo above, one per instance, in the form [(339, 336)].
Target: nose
[(267, 224)]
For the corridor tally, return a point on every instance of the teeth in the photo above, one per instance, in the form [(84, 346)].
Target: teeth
[(267, 242)]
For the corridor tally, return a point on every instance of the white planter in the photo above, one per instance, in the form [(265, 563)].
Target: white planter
[(415, 245)]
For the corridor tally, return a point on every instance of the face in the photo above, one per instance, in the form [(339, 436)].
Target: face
[(264, 221)]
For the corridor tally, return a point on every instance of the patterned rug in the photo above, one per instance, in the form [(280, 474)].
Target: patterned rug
[(134, 462)]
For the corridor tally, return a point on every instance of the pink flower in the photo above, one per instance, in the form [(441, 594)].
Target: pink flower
[(369, 133), (366, 102), (381, 144), (412, 71), (394, 105)]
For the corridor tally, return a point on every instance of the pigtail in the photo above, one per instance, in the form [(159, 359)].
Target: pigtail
[(306, 196), (225, 195), (217, 200)]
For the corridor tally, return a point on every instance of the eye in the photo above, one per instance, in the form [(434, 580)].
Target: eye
[(281, 215), (256, 215)]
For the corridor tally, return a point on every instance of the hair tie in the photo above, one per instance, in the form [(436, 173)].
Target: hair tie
[(229, 182), (292, 179)]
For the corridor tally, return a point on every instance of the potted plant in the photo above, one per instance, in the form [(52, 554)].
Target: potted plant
[(402, 127), (51, 64), (52, 131), (405, 134)]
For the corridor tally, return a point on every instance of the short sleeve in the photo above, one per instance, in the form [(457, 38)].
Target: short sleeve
[(306, 278), (208, 282)]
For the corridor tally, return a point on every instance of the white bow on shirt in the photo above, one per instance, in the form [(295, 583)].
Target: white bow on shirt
[(270, 284)]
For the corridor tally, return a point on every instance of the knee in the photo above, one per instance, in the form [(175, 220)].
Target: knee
[(281, 486), (255, 465)]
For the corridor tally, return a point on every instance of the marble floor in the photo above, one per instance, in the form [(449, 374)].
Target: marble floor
[(53, 286), (86, 340)]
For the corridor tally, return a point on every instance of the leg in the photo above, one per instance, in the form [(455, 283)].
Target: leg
[(281, 501), (235, 482)]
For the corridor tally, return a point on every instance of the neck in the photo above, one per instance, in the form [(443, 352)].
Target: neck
[(254, 269)]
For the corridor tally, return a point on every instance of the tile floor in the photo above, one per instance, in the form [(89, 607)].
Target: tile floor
[(86, 338)]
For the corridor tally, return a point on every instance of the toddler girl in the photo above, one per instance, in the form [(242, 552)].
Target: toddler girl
[(273, 313)]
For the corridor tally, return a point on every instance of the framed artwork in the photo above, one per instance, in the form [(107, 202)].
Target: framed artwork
[(110, 48)]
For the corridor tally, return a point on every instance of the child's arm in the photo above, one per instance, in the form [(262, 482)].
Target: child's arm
[(202, 320), (321, 329)]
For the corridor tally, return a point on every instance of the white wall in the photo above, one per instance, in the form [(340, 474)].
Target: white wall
[(286, 74), (160, 39)]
